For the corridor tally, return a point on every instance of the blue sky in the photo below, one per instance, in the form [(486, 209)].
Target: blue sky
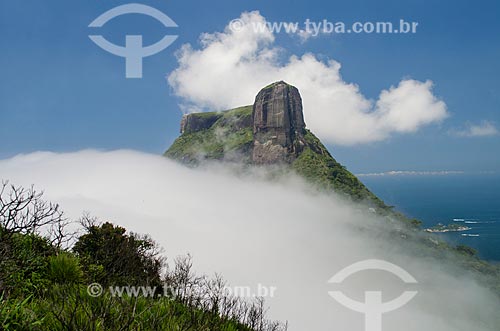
[(60, 92)]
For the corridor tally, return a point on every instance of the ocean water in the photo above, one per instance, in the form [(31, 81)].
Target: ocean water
[(471, 200)]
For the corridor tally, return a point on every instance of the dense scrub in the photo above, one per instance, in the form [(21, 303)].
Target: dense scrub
[(103, 278)]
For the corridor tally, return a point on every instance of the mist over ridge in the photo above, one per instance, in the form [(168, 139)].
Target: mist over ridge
[(282, 233)]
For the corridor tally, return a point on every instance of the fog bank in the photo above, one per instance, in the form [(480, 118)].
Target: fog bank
[(252, 231)]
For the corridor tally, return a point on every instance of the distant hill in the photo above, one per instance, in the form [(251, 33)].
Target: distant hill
[(272, 131)]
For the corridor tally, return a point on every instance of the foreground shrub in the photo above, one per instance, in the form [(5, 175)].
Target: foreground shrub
[(110, 256), (64, 269)]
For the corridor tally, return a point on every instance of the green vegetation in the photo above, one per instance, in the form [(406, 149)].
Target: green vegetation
[(317, 165), (208, 114), (110, 256), (45, 286), (229, 138), (466, 250), (233, 132)]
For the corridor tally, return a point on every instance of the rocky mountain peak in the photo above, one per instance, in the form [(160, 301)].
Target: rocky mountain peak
[(278, 124), (271, 131)]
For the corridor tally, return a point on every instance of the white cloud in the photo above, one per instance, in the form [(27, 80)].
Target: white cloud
[(253, 231), (483, 129), (232, 66)]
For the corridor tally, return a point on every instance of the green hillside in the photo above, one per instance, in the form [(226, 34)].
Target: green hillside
[(230, 138), (229, 135)]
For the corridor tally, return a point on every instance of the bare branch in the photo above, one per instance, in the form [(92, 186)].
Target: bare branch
[(24, 211)]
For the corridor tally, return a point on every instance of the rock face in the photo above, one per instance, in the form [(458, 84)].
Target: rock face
[(278, 124), (271, 131), (197, 122)]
